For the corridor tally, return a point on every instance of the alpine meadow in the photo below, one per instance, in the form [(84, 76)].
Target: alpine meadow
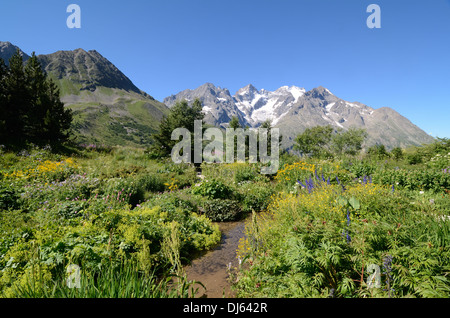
[(285, 192)]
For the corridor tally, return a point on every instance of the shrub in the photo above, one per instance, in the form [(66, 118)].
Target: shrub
[(245, 173), (378, 151), (361, 168), (8, 196), (222, 210), (255, 197), (150, 182), (397, 153), (414, 158), (213, 189), (124, 191)]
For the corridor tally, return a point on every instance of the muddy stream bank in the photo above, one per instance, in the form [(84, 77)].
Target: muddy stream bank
[(211, 268)]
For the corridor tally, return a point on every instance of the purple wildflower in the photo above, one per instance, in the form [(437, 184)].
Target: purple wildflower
[(349, 239), (300, 183)]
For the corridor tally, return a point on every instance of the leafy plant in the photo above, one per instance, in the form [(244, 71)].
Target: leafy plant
[(213, 189), (222, 210)]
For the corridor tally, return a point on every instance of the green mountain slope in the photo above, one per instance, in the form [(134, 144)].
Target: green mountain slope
[(108, 108)]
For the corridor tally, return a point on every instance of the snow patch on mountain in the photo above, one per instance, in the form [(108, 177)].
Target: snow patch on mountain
[(261, 105)]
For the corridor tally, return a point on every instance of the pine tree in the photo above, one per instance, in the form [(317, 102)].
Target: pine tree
[(30, 107), (3, 73), (36, 85), (16, 101), (57, 119)]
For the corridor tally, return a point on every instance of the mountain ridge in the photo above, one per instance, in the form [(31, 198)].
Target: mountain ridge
[(293, 109), (109, 108)]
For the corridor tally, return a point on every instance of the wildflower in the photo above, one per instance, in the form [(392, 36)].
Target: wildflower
[(331, 295), (387, 270)]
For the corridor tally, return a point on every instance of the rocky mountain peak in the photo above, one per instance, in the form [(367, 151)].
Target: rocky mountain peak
[(319, 92), (7, 50), (247, 92), (294, 109), (87, 68)]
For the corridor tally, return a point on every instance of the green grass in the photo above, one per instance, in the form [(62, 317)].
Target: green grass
[(120, 281)]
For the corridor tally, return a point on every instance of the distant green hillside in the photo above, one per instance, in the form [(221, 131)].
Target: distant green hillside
[(108, 108)]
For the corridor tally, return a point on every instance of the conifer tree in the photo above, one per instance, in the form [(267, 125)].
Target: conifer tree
[(16, 100), (3, 73), (30, 107)]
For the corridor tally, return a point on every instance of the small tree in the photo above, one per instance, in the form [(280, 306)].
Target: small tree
[(378, 151), (234, 123), (315, 141), (180, 116), (348, 142), (397, 153)]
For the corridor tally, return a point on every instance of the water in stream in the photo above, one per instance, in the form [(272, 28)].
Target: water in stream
[(211, 268)]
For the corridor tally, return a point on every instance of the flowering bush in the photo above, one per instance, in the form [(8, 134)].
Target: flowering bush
[(439, 161)]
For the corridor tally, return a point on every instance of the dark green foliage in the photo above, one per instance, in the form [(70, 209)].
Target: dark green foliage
[(378, 152), (424, 179), (8, 197), (222, 210), (234, 123), (414, 158), (397, 153), (246, 173), (30, 108), (255, 197)]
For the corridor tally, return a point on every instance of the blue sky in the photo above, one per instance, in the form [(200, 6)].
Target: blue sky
[(166, 46)]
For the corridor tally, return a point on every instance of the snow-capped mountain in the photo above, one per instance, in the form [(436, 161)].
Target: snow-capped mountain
[(251, 106), (293, 109), (218, 104), (259, 106)]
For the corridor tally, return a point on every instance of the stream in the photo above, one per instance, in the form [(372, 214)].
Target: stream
[(211, 268)]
